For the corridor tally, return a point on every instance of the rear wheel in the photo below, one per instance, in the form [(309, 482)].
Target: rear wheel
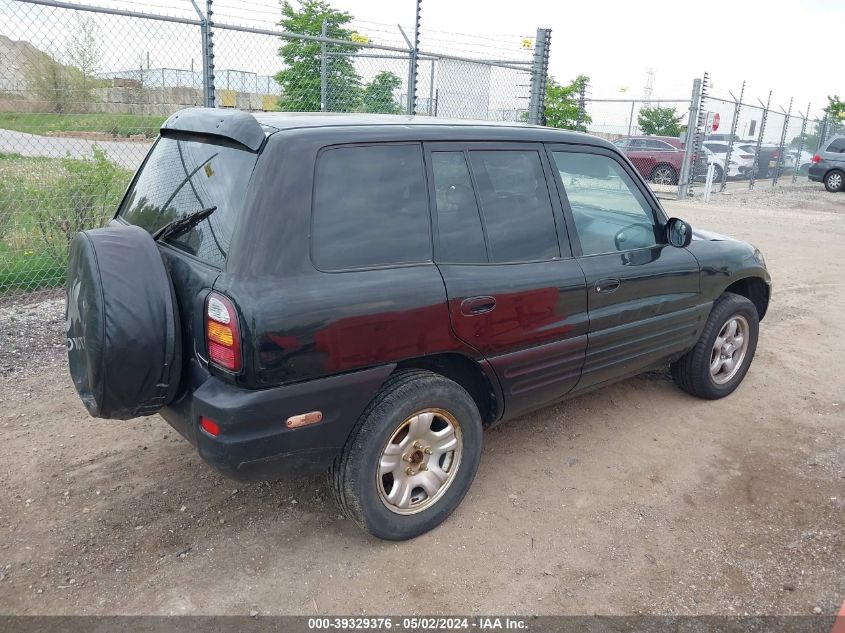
[(411, 458), (721, 357), (664, 175), (717, 173), (834, 181)]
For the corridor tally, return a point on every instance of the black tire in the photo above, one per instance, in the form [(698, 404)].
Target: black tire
[(834, 181), (353, 478), (717, 174), (692, 371), (664, 172), (122, 322)]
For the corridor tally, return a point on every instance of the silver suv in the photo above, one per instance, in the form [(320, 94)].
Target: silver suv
[(828, 165)]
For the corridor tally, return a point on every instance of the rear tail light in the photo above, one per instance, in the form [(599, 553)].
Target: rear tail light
[(816, 158), (209, 426), (221, 333)]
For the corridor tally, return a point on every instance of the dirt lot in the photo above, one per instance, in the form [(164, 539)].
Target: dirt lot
[(634, 499)]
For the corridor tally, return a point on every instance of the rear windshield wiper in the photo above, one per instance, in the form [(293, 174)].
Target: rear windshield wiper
[(180, 225)]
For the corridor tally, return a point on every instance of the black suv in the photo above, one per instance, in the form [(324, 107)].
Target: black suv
[(365, 294)]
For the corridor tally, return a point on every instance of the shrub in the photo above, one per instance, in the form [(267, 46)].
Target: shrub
[(84, 196)]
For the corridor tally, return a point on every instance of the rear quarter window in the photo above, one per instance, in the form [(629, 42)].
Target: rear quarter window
[(370, 208), (183, 176)]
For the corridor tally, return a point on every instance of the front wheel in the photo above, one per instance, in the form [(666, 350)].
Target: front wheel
[(721, 357), (411, 458)]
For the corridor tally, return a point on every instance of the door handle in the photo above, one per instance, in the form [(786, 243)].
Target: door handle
[(608, 285), (477, 305)]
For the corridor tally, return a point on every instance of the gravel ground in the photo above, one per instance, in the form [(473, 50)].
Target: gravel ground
[(31, 337), (633, 499)]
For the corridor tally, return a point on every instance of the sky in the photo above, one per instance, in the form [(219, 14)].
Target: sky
[(771, 44)]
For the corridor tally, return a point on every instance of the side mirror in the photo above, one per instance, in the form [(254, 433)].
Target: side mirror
[(678, 233)]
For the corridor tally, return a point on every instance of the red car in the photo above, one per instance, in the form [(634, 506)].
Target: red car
[(657, 158)]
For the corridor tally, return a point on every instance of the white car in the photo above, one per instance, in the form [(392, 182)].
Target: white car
[(716, 156), (741, 161), (804, 161)]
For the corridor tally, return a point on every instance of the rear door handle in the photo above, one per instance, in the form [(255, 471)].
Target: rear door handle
[(608, 285), (477, 305)]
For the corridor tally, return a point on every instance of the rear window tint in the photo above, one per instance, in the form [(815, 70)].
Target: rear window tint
[(370, 208), (180, 177), (458, 222), (837, 146), (515, 204)]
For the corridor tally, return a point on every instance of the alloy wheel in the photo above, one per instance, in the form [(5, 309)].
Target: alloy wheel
[(419, 461), (729, 349)]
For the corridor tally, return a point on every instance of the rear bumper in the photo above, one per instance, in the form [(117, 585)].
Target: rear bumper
[(254, 443), (816, 172)]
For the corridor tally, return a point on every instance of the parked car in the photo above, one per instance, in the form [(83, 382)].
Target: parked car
[(828, 165), (802, 162), (741, 162), (657, 158), (367, 293), (768, 159)]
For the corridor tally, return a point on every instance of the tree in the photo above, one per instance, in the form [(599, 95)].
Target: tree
[(562, 108), (300, 80), (835, 109), (660, 121), (379, 94), (66, 81), (83, 53), (51, 81)]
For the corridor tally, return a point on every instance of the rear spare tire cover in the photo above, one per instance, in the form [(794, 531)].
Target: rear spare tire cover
[(123, 335)]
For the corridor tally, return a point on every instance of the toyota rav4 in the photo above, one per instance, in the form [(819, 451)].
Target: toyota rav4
[(365, 294)]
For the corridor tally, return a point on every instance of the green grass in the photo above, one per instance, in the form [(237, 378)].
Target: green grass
[(44, 202), (118, 125)]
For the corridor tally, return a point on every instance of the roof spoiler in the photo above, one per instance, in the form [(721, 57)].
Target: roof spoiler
[(234, 125)]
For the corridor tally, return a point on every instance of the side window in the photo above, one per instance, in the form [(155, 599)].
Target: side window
[(370, 207), (458, 222), (622, 142), (660, 146), (611, 214), (515, 204)]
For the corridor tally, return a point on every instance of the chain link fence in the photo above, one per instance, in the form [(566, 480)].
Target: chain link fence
[(84, 90)]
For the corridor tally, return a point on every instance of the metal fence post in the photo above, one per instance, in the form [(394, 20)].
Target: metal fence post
[(539, 77), (780, 162), (734, 123), (822, 132), (412, 77), (582, 108), (800, 145), (206, 24), (689, 144), (323, 69), (756, 164)]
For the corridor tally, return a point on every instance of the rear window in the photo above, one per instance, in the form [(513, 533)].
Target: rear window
[(370, 208), (180, 177), (837, 146)]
